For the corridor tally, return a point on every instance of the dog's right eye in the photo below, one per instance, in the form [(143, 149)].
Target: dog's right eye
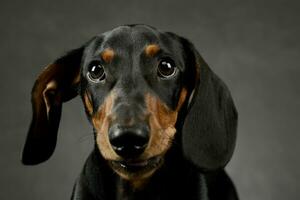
[(96, 72)]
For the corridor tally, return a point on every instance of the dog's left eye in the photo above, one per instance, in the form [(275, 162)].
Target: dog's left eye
[(96, 72), (166, 68)]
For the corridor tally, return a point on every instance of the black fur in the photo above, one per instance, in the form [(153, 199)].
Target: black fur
[(206, 125)]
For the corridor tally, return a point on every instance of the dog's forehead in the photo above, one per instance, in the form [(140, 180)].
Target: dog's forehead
[(131, 39)]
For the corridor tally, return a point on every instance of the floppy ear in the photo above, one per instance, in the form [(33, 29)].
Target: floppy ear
[(209, 130), (55, 85)]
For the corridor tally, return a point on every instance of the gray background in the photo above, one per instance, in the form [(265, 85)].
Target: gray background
[(253, 45)]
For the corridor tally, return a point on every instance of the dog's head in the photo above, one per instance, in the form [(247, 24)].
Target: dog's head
[(139, 87)]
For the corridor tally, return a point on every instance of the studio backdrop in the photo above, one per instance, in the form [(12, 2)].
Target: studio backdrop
[(253, 46)]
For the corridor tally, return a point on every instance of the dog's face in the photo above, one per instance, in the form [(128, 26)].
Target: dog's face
[(137, 85), (133, 89)]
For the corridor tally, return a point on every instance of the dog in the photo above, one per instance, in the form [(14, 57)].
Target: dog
[(164, 124)]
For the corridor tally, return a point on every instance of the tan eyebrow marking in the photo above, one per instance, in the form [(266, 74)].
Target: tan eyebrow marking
[(107, 55), (152, 49)]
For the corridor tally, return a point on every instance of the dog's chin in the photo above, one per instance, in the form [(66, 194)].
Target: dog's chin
[(139, 169)]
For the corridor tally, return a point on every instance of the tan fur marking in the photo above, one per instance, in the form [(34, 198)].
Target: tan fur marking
[(101, 121), (107, 55), (162, 124), (136, 179), (139, 183), (76, 80), (152, 49), (182, 98), (51, 87), (87, 103), (38, 92)]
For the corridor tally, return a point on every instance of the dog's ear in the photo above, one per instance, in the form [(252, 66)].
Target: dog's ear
[(56, 84), (209, 130)]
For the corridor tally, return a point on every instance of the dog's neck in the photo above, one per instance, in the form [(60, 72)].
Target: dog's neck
[(173, 178), (129, 190)]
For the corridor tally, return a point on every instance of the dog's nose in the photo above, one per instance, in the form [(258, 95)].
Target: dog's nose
[(129, 142)]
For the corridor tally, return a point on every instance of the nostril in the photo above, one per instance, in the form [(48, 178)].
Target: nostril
[(128, 139), (128, 142)]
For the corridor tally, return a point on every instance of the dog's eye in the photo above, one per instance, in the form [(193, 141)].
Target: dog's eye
[(166, 68), (96, 72)]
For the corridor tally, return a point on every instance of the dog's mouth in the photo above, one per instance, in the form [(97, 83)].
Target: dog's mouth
[(134, 168)]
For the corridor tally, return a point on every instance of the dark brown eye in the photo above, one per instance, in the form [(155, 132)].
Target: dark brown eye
[(96, 72), (166, 68)]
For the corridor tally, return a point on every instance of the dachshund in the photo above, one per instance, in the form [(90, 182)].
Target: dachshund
[(164, 124)]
